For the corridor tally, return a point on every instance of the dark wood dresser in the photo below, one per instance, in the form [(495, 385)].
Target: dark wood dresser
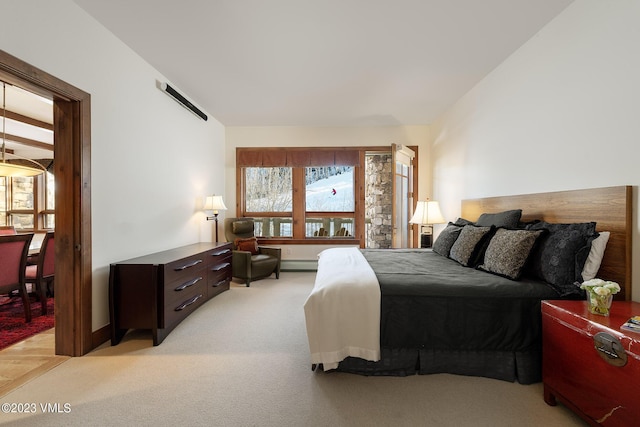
[(159, 290), (590, 364)]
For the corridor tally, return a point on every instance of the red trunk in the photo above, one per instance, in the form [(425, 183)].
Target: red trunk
[(601, 385)]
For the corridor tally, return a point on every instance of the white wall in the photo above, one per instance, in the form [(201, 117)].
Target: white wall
[(562, 113), (284, 136), (152, 160)]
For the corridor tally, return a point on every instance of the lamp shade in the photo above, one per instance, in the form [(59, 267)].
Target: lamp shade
[(10, 169), (214, 203), (427, 213)]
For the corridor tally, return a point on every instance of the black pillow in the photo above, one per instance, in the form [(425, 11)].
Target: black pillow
[(462, 222), (559, 257), (508, 251), (465, 249), (506, 219), (446, 239)]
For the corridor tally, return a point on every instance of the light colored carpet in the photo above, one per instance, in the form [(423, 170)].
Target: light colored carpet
[(242, 359)]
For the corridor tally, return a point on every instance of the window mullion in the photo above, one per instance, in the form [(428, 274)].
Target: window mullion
[(299, 192)]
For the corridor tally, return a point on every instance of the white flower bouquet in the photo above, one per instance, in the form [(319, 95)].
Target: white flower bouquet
[(599, 295)]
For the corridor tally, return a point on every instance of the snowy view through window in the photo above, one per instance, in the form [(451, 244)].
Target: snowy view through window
[(269, 190), (328, 189), (330, 194)]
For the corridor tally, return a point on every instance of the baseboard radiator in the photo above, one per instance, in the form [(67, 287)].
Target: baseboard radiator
[(298, 265)]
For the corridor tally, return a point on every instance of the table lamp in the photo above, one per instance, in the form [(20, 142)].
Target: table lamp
[(426, 214)]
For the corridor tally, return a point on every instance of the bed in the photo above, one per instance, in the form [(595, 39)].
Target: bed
[(442, 313)]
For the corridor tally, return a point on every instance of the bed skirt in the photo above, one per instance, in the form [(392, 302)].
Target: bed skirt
[(524, 367)]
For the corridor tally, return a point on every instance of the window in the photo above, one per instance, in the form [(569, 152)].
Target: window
[(306, 194), (27, 203), (329, 191), (269, 197)]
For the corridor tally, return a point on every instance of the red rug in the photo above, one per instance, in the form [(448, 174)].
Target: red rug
[(12, 326)]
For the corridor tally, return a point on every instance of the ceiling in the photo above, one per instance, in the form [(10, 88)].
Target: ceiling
[(32, 140), (324, 63)]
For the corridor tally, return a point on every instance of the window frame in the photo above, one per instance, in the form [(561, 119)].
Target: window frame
[(39, 210), (299, 158)]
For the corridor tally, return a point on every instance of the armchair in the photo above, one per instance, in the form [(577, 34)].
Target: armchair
[(250, 261)]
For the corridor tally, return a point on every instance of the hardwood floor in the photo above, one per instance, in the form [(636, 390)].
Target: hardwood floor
[(27, 359)]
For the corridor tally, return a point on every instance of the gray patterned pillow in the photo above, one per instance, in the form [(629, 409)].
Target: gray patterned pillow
[(464, 250), (446, 239), (508, 252)]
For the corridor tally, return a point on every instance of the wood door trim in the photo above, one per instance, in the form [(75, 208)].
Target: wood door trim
[(72, 168)]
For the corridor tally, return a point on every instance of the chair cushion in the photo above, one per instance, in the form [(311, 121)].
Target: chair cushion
[(249, 244), (263, 258)]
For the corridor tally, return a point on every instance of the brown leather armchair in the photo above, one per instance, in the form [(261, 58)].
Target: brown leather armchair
[(247, 265)]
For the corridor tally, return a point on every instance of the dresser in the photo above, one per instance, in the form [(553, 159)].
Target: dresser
[(159, 290), (590, 364)]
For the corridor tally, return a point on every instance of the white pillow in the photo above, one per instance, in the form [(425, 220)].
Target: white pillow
[(592, 265)]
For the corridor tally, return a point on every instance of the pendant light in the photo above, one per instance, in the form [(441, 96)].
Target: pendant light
[(10, 169)]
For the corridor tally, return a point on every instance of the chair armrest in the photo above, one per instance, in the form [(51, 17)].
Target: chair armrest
[(241, 256), (241, 263)]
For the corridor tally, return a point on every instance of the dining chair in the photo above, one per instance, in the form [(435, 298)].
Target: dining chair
[(13, 261), (41, 274), (7, 230)]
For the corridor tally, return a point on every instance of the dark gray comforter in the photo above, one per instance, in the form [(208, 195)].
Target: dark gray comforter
[(454, 319), (421, 272)]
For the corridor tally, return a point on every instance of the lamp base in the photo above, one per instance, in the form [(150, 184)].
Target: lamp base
[(214, 218), (426, 240)]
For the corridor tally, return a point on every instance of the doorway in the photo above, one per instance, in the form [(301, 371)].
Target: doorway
[(389, 200), (72, 142), (403, 204)]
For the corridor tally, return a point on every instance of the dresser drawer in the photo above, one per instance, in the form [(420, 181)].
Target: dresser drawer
[(220, 254), (184, 268), (220, 270), (178, 309), (176, 290), (219, 278)]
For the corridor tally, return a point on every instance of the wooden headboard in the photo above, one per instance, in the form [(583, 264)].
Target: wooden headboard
[(609, 207)]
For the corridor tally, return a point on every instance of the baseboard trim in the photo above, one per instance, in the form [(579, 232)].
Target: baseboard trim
[(298, 265), (100, 336)]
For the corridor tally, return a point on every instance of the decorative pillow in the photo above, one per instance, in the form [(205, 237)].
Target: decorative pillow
[(592, 265), (242, 227), (249, 244), (560, 256), (506, 219), (446, 239), (465, 248), (508, 252)]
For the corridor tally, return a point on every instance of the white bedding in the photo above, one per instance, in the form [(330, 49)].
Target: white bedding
[(342, 313)]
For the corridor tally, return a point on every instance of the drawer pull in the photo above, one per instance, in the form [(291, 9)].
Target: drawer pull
[(222, 252), (188, 284), (188, 303), (610, 349), (221, 266), (191, 264), (221, 282)]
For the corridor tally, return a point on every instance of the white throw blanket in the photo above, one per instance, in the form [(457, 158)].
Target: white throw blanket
[(342, 312)]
